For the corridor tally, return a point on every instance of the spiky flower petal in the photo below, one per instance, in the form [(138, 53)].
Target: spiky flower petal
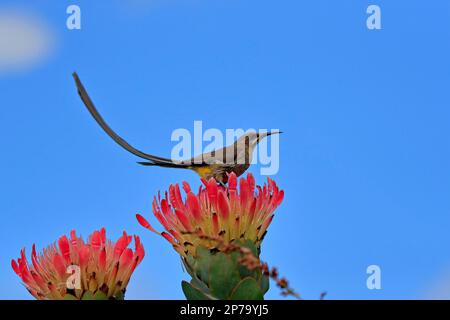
[(75, 269), (229, 213)]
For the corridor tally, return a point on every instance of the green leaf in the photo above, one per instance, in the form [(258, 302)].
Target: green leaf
[(223, 275), (189, 264), (88, 296), (245, 272), (68, 296), (236, 256), (99, 295), (196, 282), (192, 293), (247, 289), (203, 263), (264, 283), (250, 245)]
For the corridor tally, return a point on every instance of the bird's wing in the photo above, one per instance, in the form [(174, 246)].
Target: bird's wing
[(90, 106), (226, 155)]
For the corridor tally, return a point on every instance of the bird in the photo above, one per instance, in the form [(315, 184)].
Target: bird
[(217, 164)]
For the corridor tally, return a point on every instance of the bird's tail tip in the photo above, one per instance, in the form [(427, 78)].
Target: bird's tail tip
[(145, 163)]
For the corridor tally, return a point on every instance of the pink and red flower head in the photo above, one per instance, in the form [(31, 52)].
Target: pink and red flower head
[(230, 213), (103, 268)]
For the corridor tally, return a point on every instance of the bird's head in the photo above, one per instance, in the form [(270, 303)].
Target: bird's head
[(252, 138), (246, 144), (260, 136)]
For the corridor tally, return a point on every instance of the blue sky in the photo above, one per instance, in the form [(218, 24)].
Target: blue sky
[(364, 160)]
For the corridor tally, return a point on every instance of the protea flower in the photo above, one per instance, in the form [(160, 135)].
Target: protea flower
[(202, 225), (73, 269)]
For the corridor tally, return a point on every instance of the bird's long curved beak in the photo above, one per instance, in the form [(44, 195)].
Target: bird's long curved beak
[(273, 132)]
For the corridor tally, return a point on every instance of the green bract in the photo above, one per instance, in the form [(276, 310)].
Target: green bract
[(220, 276)]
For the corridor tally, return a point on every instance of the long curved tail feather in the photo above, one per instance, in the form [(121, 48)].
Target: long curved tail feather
[(154, 160), (165, 165)]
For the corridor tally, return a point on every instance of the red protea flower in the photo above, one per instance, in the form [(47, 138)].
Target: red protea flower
[(73, 269), (215, 212)]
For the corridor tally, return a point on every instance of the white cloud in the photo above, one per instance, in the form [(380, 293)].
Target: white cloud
[(25, 41)]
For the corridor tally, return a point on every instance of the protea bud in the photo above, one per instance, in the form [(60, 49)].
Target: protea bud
[(212, 232), (73, 269)]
